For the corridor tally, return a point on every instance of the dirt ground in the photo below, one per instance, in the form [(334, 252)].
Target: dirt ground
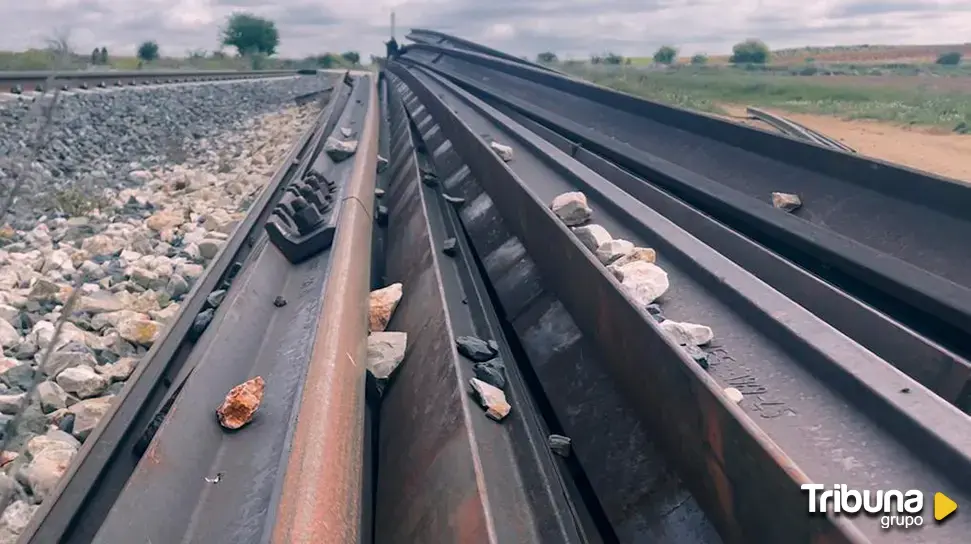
[(944, 154)]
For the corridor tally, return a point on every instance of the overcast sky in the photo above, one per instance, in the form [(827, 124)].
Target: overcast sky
[(523, 27)]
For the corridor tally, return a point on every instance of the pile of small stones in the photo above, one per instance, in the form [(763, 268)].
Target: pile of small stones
[(157, 224), (634, 267)]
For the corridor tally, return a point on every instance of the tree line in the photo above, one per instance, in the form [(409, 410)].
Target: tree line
[(751, 51), (254, 38)]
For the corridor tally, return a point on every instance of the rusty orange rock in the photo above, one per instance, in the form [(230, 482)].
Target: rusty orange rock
[(241, 403), (381, 306)]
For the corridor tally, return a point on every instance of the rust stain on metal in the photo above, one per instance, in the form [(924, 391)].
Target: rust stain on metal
[(470, 523), (152, 454), (321, 497)]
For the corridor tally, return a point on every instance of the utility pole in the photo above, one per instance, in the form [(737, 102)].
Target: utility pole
[(392, 45)]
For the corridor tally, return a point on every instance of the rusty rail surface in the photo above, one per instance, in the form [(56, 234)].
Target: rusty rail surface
[(751, 469), (321, 499), (446, 473)]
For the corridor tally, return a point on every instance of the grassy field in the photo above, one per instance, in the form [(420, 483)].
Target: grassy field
[(905, 100), (38, 59)]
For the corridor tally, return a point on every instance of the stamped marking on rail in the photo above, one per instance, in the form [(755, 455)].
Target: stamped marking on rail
[(756, 394)]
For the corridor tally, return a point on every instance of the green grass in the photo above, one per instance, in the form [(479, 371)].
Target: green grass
[(704, 89), (38, 59)]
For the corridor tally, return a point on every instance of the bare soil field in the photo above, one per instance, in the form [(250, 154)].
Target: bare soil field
[(864, 54), (927, 149)]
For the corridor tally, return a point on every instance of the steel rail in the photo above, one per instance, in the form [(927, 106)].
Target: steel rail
[(797, 130), (934, 366), (870, 388), (223, 477), (320, 500), (432, 37), (454, 476), (75, 509), (928, 303), (17, 82)]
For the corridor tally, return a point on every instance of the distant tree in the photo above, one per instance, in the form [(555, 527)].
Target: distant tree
[(665, 55), (751, 51), (104, 55), (250, 34), (596, 59), (352, 57), (96, 56), (699, 59), (218, 55), (950, 59), (611, 58), (147, 51), (546, 57), (196, 54)]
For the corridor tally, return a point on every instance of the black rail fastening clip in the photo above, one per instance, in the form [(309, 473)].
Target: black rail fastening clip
[(303, 223)]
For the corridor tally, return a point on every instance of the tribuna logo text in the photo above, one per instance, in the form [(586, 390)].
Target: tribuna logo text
[(895, 508)]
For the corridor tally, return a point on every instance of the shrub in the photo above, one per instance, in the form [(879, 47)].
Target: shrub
[(148, 51), (699, 59), (751, 51), (665, 55), (353, 57), (949, 59), (611, 58), (546, 57)]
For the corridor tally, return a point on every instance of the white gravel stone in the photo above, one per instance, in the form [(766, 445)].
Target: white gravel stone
[(82, 381), (592, 236), (9, 336), (734, 395), (613, 250), (786, 201), (385, 351), (687, 333), (504, 151), (644, 282), (572, 208)]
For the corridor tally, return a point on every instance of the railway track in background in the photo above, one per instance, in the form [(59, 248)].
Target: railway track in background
[(850, 362), (20, 82)]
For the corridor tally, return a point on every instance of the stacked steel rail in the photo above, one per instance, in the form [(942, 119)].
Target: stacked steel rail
[(843, 353)]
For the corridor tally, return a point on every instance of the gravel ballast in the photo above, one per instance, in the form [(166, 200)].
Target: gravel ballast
[(134, 193)]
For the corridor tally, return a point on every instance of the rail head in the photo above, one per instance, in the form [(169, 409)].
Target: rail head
[(321, 495)]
